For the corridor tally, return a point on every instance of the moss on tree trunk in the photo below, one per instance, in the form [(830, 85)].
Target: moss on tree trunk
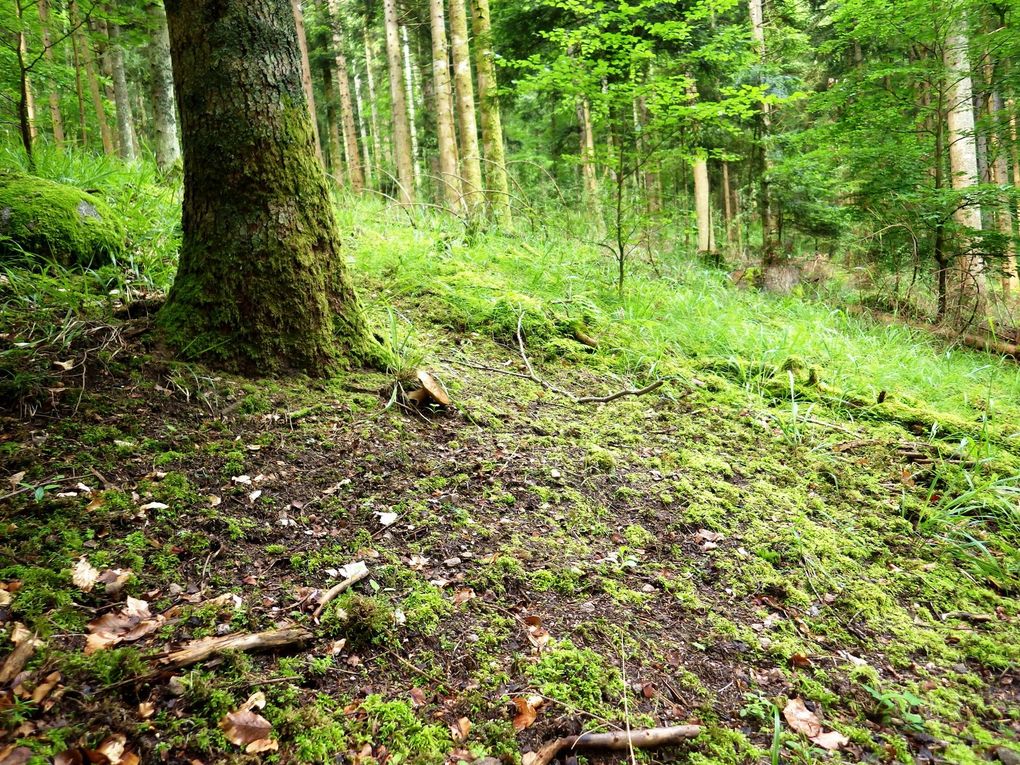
[(262, 286)]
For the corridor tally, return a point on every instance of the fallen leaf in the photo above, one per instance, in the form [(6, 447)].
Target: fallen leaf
[(248, 729), (527, 711), (417, 697), (132, 623), (256, 701), (831, 740), (15, 479), (801, 719), (15, 755), (538, 636), (146, 709), (387, 519), (463, 596), (114, 580), (460, 730), (84, 575), (155, 506), (801, 660), (43, 689)]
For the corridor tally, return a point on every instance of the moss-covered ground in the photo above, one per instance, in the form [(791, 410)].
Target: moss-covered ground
[(809, 507)]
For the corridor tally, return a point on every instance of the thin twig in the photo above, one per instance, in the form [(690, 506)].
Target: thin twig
[(336, 589)]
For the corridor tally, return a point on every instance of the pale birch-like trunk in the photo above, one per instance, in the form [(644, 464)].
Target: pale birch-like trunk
[(449, 180), (470, 156), (56, 119), (401, 131), (343, 87), (497, 185), (999, 166), (122, 98), (366, 140), (334, 145), (306, 75), (587, 146), (727, 205), (412, 117), (164, 110), (26, 104), (963, 156), (377, 149), (702, 201)]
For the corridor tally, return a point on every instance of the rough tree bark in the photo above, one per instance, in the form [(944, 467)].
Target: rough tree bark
[(343, 85), (470, 157), (262, 286), (122, 98), (26, 101), (56, 119), (449, 180), (401, 132), (164, 110), (497, 187), (963, 157)]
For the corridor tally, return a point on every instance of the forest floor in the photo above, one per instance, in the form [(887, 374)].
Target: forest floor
[(809, 572)]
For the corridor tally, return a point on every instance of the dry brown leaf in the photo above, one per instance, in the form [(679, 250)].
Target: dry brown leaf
[(246, 728), (537, 634), (831, 740), (460, 730), (69, 757), (84, 575), (43, 689), (463, 595), (110, 751), (417, 697), (802, 719), (146, 709), (527, 711), (15, 479), (132, 623), (15, 755), (114, 580)]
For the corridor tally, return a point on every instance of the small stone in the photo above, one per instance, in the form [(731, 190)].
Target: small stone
[(1007, 756), (451, 562), (222, 629)]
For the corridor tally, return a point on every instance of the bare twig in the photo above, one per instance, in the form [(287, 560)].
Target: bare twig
[(206, 647), (336, 589), (617, 741)]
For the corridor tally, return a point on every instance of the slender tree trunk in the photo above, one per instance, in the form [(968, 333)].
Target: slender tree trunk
[(412, 118), (587, 141), (999, 166), (401, 132), (702, 201), (343, 85), (56, 119), (470, 157), (93, 78), (164, 110), (727, 194), (101, 40), (26, 101), (963, 158), (306, 75), (377, 149), (769, 224), (335, 145), (450, 181), (122, 98), (262, 285), (366, 140), (497, 185), (79, 88)]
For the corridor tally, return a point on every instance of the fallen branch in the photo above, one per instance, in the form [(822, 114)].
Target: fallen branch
[(567, 394), (336, 589), (18, 658), (615, 741), (200, 650)]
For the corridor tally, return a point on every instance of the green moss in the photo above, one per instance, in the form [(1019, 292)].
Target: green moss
[(58, 222), (406, 736), (578, 677)]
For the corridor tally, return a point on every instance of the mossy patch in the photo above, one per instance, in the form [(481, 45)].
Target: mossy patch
[(40, 218)]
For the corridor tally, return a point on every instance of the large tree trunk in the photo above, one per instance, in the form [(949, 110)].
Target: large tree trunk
[(497, 187), (262, 285), (963, 160), (470, 157), (164, 110), (56, 119), (401, 132), (702, 201), (122, 98), (449, 180), (343, 85), (90, 73)]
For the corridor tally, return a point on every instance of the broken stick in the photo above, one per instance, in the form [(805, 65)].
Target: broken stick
[(359, 573), (200, 650), (617, 741)]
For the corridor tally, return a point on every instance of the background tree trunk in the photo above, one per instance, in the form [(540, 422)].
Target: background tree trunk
[(164, 110), (412, 119), (470, 158), (497, 187), (262, 285), (90, 73), (306, 75), (963, 156), (769, 224), (56, 119), (373, 111), (122, 98), (702, 201), (449, 181), (587, 142), (343, 86), (401, 132)]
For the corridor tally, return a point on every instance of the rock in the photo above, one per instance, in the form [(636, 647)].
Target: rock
[(41, 219), (1007, 756)]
